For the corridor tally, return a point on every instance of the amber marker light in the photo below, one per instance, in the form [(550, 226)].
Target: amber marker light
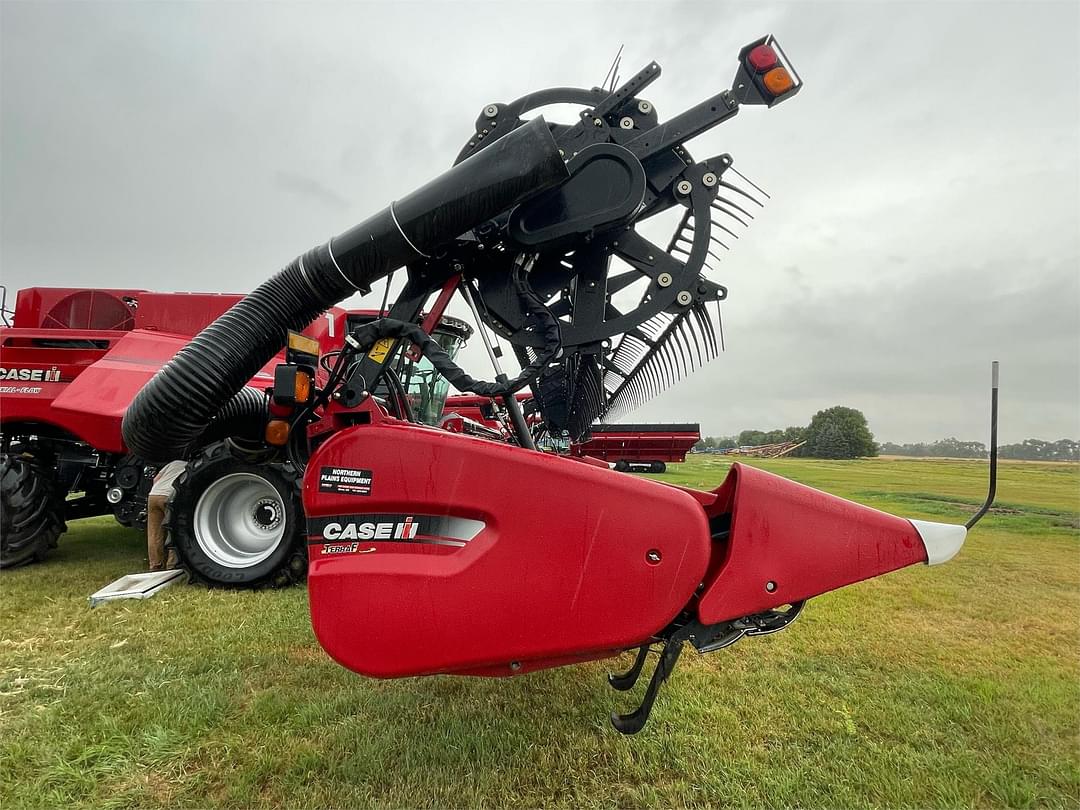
[(303, 387), (277, 432), (778, 81)]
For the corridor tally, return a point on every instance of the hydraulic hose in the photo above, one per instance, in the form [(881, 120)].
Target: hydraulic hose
[(364, 337), (171, 412)]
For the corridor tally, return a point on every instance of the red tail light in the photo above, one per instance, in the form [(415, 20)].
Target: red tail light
[(762, 58)]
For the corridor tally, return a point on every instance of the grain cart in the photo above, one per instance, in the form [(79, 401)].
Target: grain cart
[(645, 447), (433, 552)]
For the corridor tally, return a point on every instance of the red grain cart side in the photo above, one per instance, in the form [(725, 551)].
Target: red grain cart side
[(640, 448)]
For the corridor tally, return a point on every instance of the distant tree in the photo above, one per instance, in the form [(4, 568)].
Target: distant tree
[(1039, 450), (893, 449), (726, 442), (710, 442), (751, 438), (773, 437), (839, 432), (794, 434), (1066, 450)]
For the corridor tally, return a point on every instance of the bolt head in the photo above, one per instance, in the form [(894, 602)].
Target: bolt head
[(644, 107), (684, 298), (683, 187), (598, 122), (491, 110), (770, 586), (709, 179), (653, 556), (664, 279), (626, 122)]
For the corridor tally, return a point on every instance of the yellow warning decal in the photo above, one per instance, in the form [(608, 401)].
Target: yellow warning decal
[(303, 343), (381, 349)]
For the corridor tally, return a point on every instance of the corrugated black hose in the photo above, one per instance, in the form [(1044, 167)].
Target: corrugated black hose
[(171, 412)]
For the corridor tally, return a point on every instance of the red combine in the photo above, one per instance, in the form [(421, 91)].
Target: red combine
[(431, 552), (71, 362)]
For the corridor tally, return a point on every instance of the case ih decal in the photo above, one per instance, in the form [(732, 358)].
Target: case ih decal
[(329, 532), (30, 374)]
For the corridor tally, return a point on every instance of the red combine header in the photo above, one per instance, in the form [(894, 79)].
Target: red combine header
[(431, 552)]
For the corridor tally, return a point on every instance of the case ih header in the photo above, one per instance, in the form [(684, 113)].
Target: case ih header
[(434, 552)]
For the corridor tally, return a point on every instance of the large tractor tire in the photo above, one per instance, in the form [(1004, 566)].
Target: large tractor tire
[(31, 511), (235, 523)]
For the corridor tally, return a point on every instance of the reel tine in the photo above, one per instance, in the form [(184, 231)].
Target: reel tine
[(764, 193), (745, 193), (721, 226), (715, 204), (701, 315), (721, 244)]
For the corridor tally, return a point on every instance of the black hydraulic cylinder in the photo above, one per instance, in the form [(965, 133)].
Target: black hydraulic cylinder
[(169, 414)]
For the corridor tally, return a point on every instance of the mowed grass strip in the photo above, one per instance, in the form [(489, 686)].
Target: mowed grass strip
[(952, 686)]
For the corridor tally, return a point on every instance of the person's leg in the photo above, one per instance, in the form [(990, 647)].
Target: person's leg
[(155, 531)]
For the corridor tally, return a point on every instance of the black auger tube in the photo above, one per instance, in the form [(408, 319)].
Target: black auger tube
[(170, 413), (242, 417)]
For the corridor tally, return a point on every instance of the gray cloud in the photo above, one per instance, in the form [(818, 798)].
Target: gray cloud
[(925, 184)]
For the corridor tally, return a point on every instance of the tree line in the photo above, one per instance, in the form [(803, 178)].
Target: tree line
[(1027, 450), (841, 432)]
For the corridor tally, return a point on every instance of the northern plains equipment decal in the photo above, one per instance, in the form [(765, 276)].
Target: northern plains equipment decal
[(345, 480), (352, 534)]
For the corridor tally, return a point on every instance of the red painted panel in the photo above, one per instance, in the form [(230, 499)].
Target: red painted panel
[(182, 313), (44, 307), (93, 405), (806, 541), (558, 571)]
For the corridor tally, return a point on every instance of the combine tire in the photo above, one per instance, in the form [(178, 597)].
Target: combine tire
[(238, 524), (657, 467), (32, 518)]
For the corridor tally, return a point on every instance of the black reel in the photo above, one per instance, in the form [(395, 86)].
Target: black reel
[(633, 313)]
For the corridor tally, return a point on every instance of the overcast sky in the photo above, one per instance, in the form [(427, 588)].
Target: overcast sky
[(925, 212)]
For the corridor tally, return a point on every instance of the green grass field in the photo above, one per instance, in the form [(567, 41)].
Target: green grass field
[(953, 686)]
